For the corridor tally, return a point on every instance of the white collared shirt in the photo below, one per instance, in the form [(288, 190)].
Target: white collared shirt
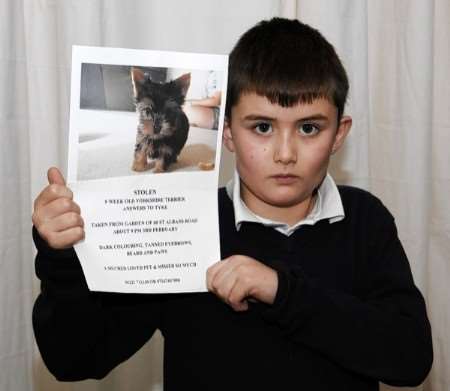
[(328, 205)]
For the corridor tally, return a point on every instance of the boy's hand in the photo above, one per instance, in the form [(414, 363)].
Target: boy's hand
[(239, 278), (56, 216)]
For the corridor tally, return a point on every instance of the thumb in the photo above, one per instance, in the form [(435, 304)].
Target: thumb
[(55, 177)]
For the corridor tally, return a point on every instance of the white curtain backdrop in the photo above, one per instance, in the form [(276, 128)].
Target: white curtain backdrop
[(398, 59)]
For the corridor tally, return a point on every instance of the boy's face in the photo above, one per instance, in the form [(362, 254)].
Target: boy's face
[(282, 153)]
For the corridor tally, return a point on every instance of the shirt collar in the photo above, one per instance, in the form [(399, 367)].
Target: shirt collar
[(328, 205)]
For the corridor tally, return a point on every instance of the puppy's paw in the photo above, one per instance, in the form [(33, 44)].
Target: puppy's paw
[(140, 166), (206, 166), (159, 167)]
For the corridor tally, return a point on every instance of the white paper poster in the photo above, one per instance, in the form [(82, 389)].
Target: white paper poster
[(144, 153)]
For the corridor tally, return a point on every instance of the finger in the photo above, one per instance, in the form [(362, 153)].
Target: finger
[(237, 297), (224, 278), (63, 222), (217, 269), (211, 273), (50, 193), (51, 229), (56, 188), (223, 288), (59, 207), (54, 176), (65, 239), (55, 208)]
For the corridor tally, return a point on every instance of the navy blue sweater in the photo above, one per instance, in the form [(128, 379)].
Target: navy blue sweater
[(346, 315)]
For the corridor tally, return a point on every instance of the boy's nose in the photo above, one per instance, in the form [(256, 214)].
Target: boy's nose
[(285, 150)]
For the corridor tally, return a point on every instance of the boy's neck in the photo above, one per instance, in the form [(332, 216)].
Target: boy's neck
[(289, 215)]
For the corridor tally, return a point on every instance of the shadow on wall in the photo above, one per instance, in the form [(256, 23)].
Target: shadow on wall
[(109, 87)]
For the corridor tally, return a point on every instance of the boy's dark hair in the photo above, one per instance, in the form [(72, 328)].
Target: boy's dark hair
[(288, 62)]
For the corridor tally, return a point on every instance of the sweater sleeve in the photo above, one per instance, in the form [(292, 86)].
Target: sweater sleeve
[(83, 334), (383, 333)]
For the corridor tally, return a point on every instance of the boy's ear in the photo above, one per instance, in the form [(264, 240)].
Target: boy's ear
[(227, 136), (342, 131)]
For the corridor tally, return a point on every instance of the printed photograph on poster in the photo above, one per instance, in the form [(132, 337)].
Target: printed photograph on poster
[(144, 151), (170, 119)]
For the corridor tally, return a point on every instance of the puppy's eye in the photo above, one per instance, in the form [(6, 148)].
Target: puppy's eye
[(308, 129), (263, 128)]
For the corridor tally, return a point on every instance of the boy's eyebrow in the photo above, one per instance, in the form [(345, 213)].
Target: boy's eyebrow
[(254, 117), (314, 117)]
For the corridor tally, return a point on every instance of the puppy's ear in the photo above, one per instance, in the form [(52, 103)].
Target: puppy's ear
[(184, 82), (137, 78), (227, 136)]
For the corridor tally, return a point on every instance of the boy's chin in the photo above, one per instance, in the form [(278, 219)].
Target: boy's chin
[(284, 200)]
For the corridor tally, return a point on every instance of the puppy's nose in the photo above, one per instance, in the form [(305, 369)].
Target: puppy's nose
[(148, 111)]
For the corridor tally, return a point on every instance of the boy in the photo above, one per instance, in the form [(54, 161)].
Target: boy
[(314, 290)]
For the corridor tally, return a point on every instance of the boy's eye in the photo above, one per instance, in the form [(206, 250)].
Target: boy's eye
[(308, 129), (263, 128)]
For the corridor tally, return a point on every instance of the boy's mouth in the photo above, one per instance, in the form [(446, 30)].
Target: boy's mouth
[(285, 179)]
